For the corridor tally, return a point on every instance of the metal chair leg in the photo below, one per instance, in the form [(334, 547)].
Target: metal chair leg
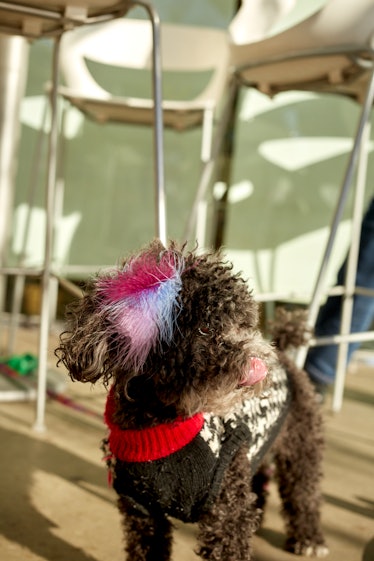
[(19, 280), (160, 199), (320, 286), (39, 424), (350, 278), (210, 165)]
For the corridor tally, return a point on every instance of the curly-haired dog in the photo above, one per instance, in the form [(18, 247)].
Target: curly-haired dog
[(197, 398)]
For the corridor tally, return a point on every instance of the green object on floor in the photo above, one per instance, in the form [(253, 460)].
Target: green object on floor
[(24, 364)]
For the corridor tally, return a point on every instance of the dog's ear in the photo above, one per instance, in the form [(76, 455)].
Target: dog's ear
[(84, 343)]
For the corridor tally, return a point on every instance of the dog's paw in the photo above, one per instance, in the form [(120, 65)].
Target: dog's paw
[(315, 551), (308, 549)]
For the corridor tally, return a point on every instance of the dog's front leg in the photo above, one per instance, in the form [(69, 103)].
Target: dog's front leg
[(225, 531), (298, 459), (148, 537)]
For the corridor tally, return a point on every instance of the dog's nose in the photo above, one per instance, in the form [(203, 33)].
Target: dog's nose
[(257, 371)]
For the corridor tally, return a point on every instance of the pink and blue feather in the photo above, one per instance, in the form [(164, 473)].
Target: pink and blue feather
[(142, 305)]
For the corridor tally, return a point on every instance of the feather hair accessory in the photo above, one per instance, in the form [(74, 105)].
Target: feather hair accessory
[(141, 303)]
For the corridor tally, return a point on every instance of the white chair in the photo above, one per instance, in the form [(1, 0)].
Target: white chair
[(127, 44), (41, 18), (330, 51)]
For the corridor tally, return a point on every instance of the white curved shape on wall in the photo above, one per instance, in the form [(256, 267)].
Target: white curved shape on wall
[(293, 154)]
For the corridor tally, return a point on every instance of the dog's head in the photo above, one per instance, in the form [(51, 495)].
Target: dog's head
[(169, 326)]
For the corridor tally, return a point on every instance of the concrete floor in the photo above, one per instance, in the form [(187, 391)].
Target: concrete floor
[(56, 504)]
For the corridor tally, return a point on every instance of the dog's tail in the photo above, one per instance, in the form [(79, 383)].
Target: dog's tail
[(289, 328)]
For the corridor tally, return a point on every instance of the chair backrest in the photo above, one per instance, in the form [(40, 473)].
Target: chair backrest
[(332, 23), (127, 43), (256, 18)]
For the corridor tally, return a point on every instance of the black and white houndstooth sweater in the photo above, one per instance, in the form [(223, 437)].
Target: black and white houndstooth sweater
[(178, 467)]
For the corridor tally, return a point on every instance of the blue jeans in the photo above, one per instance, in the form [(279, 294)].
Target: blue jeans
[(321, 361)]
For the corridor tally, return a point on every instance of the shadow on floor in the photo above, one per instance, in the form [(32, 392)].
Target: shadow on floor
[(367, 508), (21, 522), (356, 395), (368, 554)]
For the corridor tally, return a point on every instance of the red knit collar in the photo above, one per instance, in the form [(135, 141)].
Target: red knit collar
[(152, 443)]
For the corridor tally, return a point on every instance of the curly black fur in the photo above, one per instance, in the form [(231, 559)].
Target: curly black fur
[(219, 534), (201, 370), (155, 530), (298, 459)]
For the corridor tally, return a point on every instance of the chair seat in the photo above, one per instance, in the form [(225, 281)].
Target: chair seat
[(345, 72), (178, 115), (124, 45), (37, 18)]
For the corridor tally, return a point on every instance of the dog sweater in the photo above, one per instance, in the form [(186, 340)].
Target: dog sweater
[(178, 467)]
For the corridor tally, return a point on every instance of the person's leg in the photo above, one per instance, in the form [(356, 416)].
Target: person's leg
[(321, 361)]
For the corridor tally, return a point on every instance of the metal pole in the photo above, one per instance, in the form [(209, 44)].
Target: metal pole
[(160, 199), (19, 280), (225, 162), (209, 167), (47, 269), (351, 271), (320, 283), (13, 74)]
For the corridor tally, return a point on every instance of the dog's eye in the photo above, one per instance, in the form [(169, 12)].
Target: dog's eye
[(204, 330)]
